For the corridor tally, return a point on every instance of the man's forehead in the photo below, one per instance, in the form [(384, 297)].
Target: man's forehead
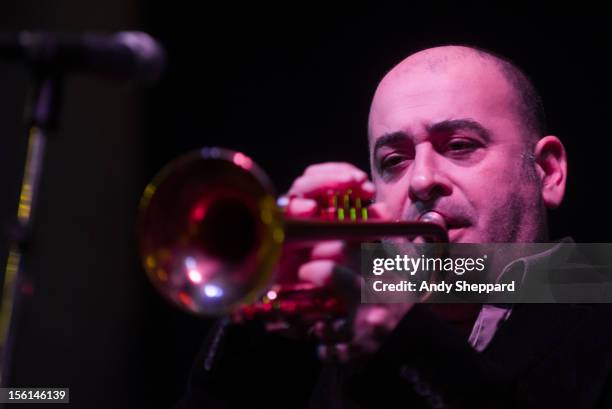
[(438, 84)]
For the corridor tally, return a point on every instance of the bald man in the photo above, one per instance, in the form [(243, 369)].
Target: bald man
[(460, 132)]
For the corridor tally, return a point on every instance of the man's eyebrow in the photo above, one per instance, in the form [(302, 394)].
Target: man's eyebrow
[(393, 138), (453, 125), (446, 126)]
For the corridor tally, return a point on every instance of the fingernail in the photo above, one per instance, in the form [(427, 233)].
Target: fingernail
[(302, 205), (368, 187)]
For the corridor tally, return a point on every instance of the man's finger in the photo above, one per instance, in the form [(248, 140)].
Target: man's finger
[(379, 211), (372, 319), (318, 272), (327, 168), (331, 331), (329, 250), (313, 186), (332, 353), (328, 273), (299, 207)]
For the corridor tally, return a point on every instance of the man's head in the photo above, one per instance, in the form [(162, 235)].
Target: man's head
[(460, 131)]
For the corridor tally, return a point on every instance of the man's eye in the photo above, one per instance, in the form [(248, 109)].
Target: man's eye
[(461, 146), (392, 161)]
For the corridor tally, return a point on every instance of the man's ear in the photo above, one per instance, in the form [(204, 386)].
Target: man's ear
[(551, 165)]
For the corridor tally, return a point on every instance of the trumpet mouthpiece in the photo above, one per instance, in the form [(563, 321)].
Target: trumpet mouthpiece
[(433, 217)]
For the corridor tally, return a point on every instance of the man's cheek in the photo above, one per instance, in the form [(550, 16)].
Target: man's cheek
[(392, 198)]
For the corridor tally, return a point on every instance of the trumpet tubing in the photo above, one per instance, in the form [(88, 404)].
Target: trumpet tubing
[(210, 232)]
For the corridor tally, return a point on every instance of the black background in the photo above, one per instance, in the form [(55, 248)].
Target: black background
[(287, 87)]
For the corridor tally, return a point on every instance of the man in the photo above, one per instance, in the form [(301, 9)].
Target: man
[(460, 132)]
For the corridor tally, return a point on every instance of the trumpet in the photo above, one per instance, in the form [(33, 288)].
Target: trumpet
[(210, 234)]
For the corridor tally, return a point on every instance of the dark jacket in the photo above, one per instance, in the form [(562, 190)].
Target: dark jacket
[(544, 356)]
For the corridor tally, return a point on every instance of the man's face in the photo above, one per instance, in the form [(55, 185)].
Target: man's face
[(448, 138)]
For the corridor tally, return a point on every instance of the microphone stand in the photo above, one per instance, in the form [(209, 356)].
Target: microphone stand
[(41, 117)]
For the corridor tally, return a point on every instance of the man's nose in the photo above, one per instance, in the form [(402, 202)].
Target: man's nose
[(427, 177)]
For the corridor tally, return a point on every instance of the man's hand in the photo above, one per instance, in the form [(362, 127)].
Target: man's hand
[(335, 265)]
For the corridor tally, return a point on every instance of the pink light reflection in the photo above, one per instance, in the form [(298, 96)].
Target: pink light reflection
[(195, 276), (197, 214), (242, 160)]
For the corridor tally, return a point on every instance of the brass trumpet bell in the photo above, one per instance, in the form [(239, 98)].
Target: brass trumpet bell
[(210, 231)]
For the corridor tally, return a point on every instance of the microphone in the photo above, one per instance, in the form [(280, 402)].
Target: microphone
[(123, 55)]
